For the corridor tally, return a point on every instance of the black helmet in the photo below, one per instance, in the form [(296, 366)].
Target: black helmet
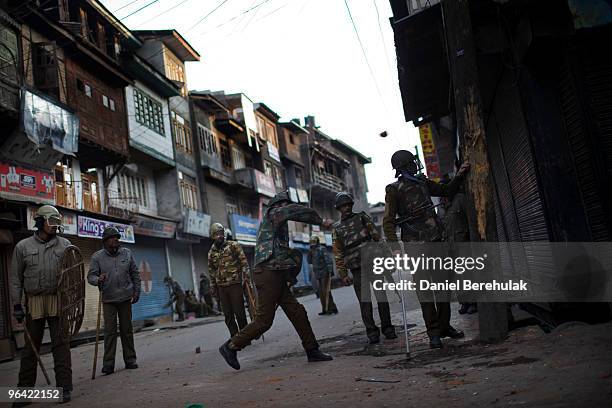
[(405, 160), (110, 232), (283, 196), (343, 198)]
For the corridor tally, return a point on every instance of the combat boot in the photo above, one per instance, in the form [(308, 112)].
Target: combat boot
[(453, 333), (230, 355), (390, 333), (315, 355), (435, 342), (66, 397)]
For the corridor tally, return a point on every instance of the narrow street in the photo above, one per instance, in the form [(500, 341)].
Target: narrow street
[(275, 372)]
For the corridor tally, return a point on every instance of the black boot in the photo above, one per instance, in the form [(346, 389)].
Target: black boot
[(390, 333), (453, 333), (66, 397), (315, 355), (107, 370), (131, 366), (435, 342), (230, 355)]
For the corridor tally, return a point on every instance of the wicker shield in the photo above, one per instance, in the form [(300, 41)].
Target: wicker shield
[(71, 292)]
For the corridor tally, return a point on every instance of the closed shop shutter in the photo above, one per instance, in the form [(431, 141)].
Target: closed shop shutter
[(180, 264), (150, 256), (4, 291), (585, 97), (521, 215), (88, 247)]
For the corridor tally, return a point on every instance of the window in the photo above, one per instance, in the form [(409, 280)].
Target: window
[(84, 87), (268, 169), (189, 192), (261, 128), (207, 140), (148, 111), (182, 133), (112, 107), (238, 157), (45, 68), (132, 189), (226, 157), (175, 70), (271, 134), (8, 54), (299, 177), (105, 100), (277, 174)]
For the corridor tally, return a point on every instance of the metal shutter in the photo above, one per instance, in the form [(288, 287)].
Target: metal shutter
[(180, 264), (88, 247), (150, 256)]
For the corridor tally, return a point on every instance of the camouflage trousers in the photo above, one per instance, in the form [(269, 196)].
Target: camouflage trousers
[(273, 292)]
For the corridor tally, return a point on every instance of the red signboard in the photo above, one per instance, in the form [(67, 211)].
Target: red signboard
[(21, 184)]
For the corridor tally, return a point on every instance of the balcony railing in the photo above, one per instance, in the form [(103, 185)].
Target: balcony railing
[(121, 205), (328, 181)]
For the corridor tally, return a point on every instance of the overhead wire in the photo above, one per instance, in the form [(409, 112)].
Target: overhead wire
[(138, 10)]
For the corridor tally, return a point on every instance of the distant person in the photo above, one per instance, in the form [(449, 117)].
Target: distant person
[(323, 269), (177, 296)]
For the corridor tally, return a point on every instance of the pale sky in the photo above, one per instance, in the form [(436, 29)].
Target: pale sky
[(299, 57)]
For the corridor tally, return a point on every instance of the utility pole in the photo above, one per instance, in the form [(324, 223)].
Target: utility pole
[(493, 323)]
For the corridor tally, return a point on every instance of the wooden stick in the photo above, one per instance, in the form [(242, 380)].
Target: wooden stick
[(327, 293), (95, 361)]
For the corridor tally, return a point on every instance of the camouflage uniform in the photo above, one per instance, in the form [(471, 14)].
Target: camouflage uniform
[(402, 198), (275, 265), (228, 266), (349, 233), (177, 296), (323, 270)]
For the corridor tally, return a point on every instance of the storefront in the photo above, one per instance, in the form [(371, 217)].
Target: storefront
[(150, 255)]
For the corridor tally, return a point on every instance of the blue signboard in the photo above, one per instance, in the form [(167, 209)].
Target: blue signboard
[(244, 228)]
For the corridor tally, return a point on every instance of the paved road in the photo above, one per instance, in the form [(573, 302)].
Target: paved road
[(169, 365)]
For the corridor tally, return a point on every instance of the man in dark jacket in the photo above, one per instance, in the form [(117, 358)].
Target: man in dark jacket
[(322, 266), (276, 267), (114, 271)]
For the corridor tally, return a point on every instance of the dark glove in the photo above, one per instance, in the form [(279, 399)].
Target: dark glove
[(135, 298), (18, 313)]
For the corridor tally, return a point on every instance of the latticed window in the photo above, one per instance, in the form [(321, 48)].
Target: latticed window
[(226, 157), (189, 192), (207, 140), (182, 133), (148, 112)]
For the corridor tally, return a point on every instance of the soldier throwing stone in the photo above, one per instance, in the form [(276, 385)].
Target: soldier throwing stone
[(276, 265)]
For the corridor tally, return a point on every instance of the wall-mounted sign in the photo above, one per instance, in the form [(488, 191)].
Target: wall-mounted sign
[(197, 223), (244, 228), (93, 228), (21, 184), (293, 195), (273, 152), (432, 162), (264, 184), (69, 220), (153, 227), (302, 195)]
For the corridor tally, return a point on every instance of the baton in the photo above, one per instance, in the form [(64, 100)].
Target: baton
[(402, 301)]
